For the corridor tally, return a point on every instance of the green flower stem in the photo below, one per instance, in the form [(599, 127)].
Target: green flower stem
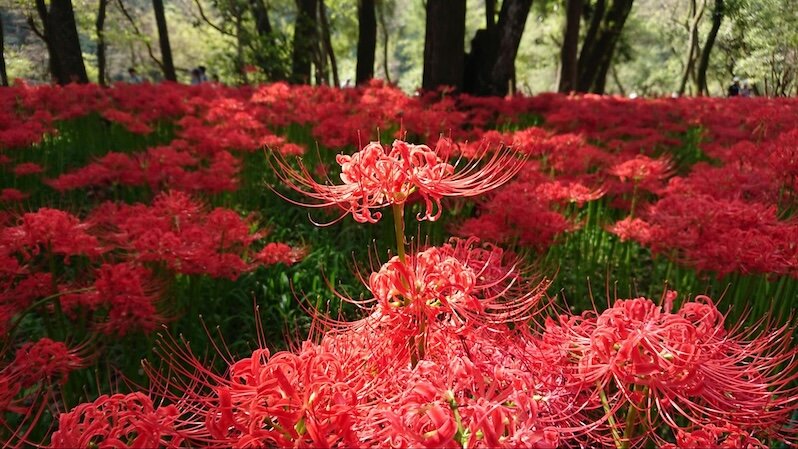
[(610, 418), (399, 228)]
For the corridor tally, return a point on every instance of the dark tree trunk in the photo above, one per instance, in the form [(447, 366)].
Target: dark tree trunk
[(599, 47), (570, 47), (490, 66), (693, 51), (512, 20), (163, 40), (52, 55), (366, 41), (327, 43), (62, 34), (100, 25), (444, 47), (305, 41), (3, 74), (596, 14), (265, 58), (703, 63), (261, 15), (490, 14), (385, 36)]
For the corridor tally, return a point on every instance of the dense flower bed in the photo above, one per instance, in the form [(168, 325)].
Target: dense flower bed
[(130, 211)]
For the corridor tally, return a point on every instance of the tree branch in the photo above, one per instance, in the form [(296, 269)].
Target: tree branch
[(138, 33), (211, 24)]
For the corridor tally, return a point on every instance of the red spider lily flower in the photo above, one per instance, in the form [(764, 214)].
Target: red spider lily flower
[(644, 172), (632, 229), (274, 253), (45, 361), (710, 435), (684, 363), (12, 195), (119, 421), (50, 230), (459, 279), (27, 168), (376, 177)]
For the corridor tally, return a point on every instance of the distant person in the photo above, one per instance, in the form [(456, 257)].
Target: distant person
[(745, 91), (734, 88), (133, 76), (196, 77), (203, 76)]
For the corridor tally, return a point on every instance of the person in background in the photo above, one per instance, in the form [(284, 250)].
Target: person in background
[(203, 77), (133, 76), (734, 88), (196, 77), (745, 91)]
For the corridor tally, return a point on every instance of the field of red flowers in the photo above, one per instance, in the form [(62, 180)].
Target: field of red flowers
[(301, 266)]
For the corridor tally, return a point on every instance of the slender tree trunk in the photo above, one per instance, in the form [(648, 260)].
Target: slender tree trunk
[(512, 20), (327, 41), (703, 63), (366, 41), (570, 47), (62, 33), (490, 66), (385, 36), (100, 26), (265, 57), (585, 68), (163, 39), (693, 51), (444, 46), (261, 15), (242, 71), (595, 60), (3, 74), (305, 41), (490, 14)]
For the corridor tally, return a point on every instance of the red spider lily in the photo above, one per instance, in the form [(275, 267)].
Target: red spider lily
[(710, 435), (684, 364), (27, 168), (30, 384), (632, 229), (643, 172), (45, 361), (459, 279), (49, 230), (274, 253), (178, 231), (376, 177), (119, 421)]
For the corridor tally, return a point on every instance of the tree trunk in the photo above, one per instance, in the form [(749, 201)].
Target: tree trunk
[(512, 20), (693, 51), (366, 41), (163, 39), (264, 58), (261, 15), (490, 14), (703, 63), (490, 66), (100, 26), (596, 55), (444, 47), (62, 34), (3, 74), (584, 66), (570, 47), (305, 41), (327, 43), (385, 36)]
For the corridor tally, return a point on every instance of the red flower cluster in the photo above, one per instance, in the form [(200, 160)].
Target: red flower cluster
[(375, 177)]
